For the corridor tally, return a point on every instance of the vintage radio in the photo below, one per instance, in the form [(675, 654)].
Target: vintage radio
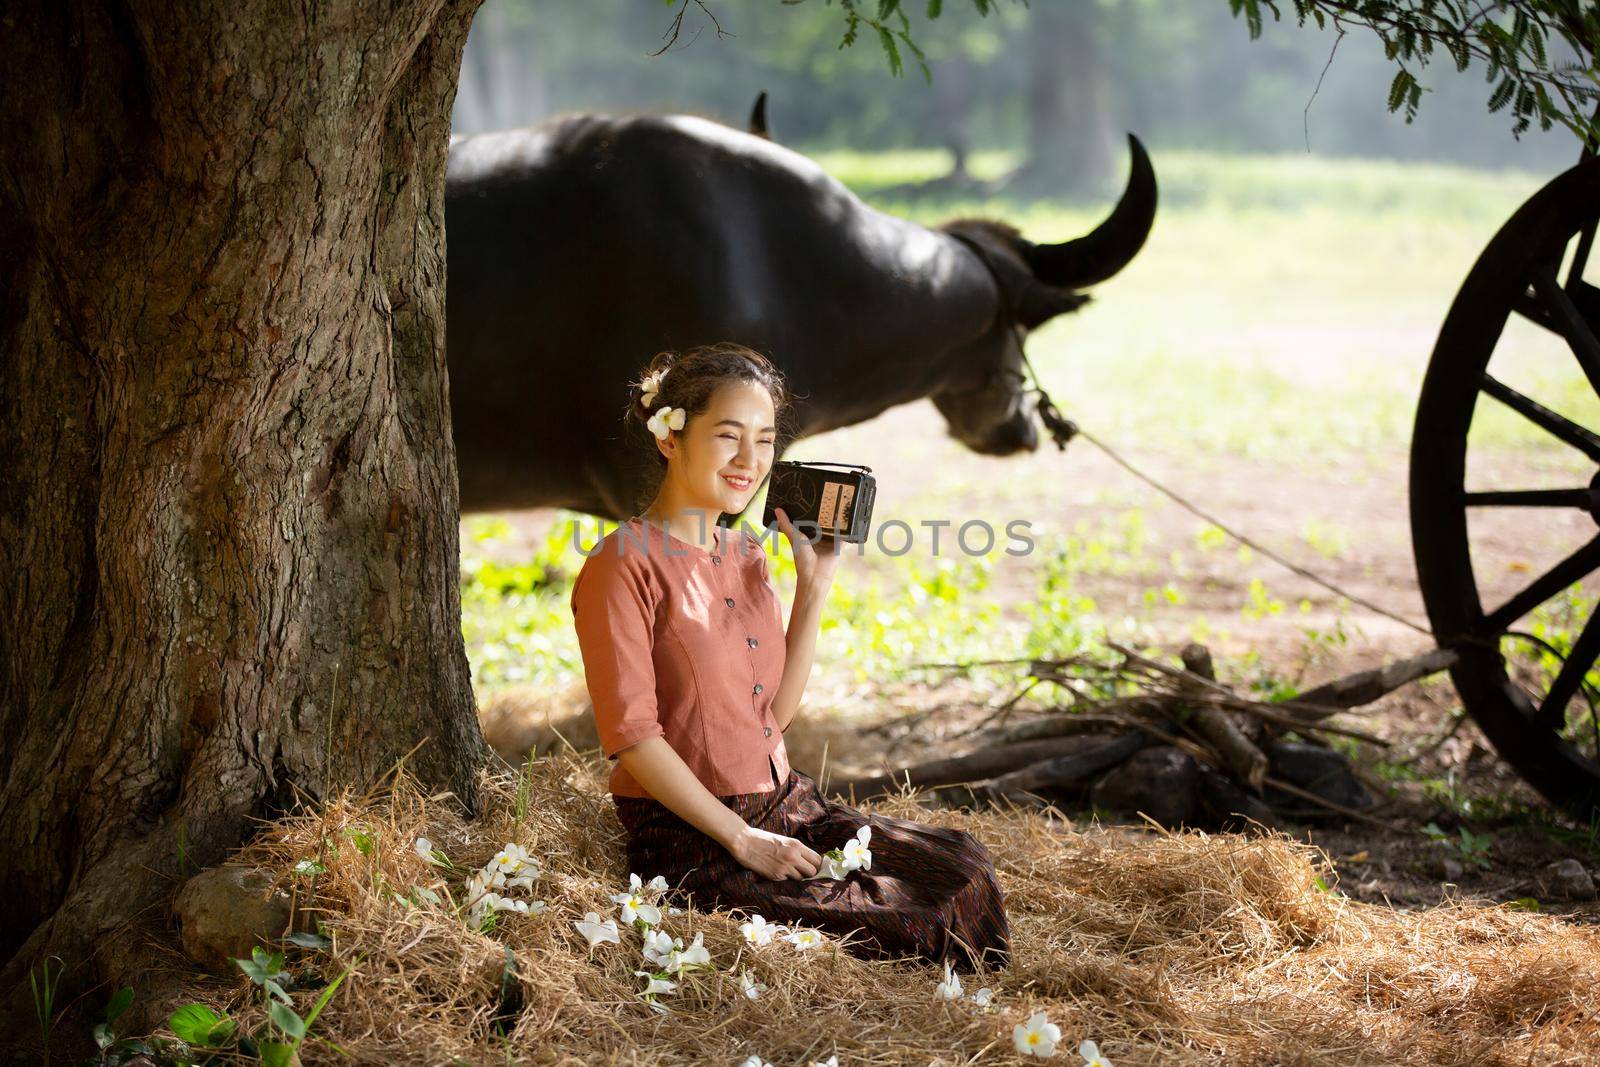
[(820, 498)]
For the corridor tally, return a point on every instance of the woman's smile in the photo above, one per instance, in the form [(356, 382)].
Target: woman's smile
[(738, 481)]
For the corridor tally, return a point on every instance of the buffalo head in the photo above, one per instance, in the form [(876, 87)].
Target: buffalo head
[(986, 403)]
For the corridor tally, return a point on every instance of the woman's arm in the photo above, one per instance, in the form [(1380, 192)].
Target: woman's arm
[(814, 567), (655, 765), (800, 649)]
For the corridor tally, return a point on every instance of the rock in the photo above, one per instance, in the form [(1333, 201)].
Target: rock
[(1230, 805), (1161, 781), (224, 911), (1566, 880), (1320, 771)]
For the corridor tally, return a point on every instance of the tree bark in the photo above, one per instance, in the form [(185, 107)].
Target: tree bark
[(228, 520)]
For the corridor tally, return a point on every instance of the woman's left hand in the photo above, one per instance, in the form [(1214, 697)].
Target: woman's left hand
[(814, 564)]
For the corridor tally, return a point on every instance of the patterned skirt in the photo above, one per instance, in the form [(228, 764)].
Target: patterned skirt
[(931, 892)]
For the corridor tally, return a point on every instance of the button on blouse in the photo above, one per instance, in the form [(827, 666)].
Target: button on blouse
[(684, 644)]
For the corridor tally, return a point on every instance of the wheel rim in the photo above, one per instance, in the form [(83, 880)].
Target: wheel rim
[(1517, 274)]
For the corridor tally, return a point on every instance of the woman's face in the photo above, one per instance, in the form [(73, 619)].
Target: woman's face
[(722, 455)]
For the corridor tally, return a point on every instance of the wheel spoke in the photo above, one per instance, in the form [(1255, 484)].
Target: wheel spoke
[(1559, 426), (1575, 567), (1581, 499), (1572, 325), (1580, 258), (1585, 650)]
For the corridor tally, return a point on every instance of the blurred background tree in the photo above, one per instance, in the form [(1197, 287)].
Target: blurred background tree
[(1056, 82)]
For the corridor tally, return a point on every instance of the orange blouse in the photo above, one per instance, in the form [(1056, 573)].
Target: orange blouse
[(686, 644)]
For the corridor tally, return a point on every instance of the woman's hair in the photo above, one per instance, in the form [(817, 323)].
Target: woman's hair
[(690, 379)]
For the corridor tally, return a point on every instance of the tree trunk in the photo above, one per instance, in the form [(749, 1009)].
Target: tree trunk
[(228, 520), (1071, 143)]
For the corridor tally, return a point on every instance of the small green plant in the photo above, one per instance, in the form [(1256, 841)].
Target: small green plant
[(524, 788), (1473, 849), (277, 1043), (115, 1050), (44, 985), (201, 1028)]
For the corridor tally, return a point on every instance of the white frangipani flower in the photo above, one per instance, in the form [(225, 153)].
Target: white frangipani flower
[(983, 997), (666, 420), (1091, 1055), (522, 907), (832, 867), (510, 868), (804, 939), (655, 985), (950, 988), (1037, 1036), (748, 984), (754, 1061), (696, 955), (650, 385), (856, 853), (424, 848), (657, 947), (634, 905), (669, 953), (514, 860), (758, 931), (476, 890), (596, 931), (658, 884), (831, 1061)]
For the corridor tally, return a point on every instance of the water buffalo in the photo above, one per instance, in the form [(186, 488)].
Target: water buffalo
[(580, 247)]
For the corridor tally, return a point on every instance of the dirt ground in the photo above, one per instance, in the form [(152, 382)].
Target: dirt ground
[(1359, 505)]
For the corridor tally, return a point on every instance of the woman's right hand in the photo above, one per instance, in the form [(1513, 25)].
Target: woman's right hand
[(773, 855)]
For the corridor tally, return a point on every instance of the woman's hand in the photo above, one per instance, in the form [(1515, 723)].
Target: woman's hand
[(814, 564), (773, 855)]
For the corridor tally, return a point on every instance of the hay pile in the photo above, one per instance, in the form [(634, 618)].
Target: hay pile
[(1164, 948)]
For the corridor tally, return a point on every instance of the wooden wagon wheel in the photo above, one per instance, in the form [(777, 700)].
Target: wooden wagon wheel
[(1549, 733)]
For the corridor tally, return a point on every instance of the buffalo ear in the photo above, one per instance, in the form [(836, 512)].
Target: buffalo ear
[(1039, 304)]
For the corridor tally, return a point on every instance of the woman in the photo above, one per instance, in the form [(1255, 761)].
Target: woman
[(694, 680)]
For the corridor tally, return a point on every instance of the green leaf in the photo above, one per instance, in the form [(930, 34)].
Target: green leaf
[(306, 939), (222, 1033), (194, 1023), (288, 1020), (119, 1003), (103, 1035), (1501, 95), (1398, 87), (886, 39), (308, 868), (276, 1054)]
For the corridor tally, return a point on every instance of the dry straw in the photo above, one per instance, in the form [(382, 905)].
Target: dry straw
[(1165, 948)]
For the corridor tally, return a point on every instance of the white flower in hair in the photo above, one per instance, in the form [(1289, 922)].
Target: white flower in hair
[(651, 385), (666, 420)]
